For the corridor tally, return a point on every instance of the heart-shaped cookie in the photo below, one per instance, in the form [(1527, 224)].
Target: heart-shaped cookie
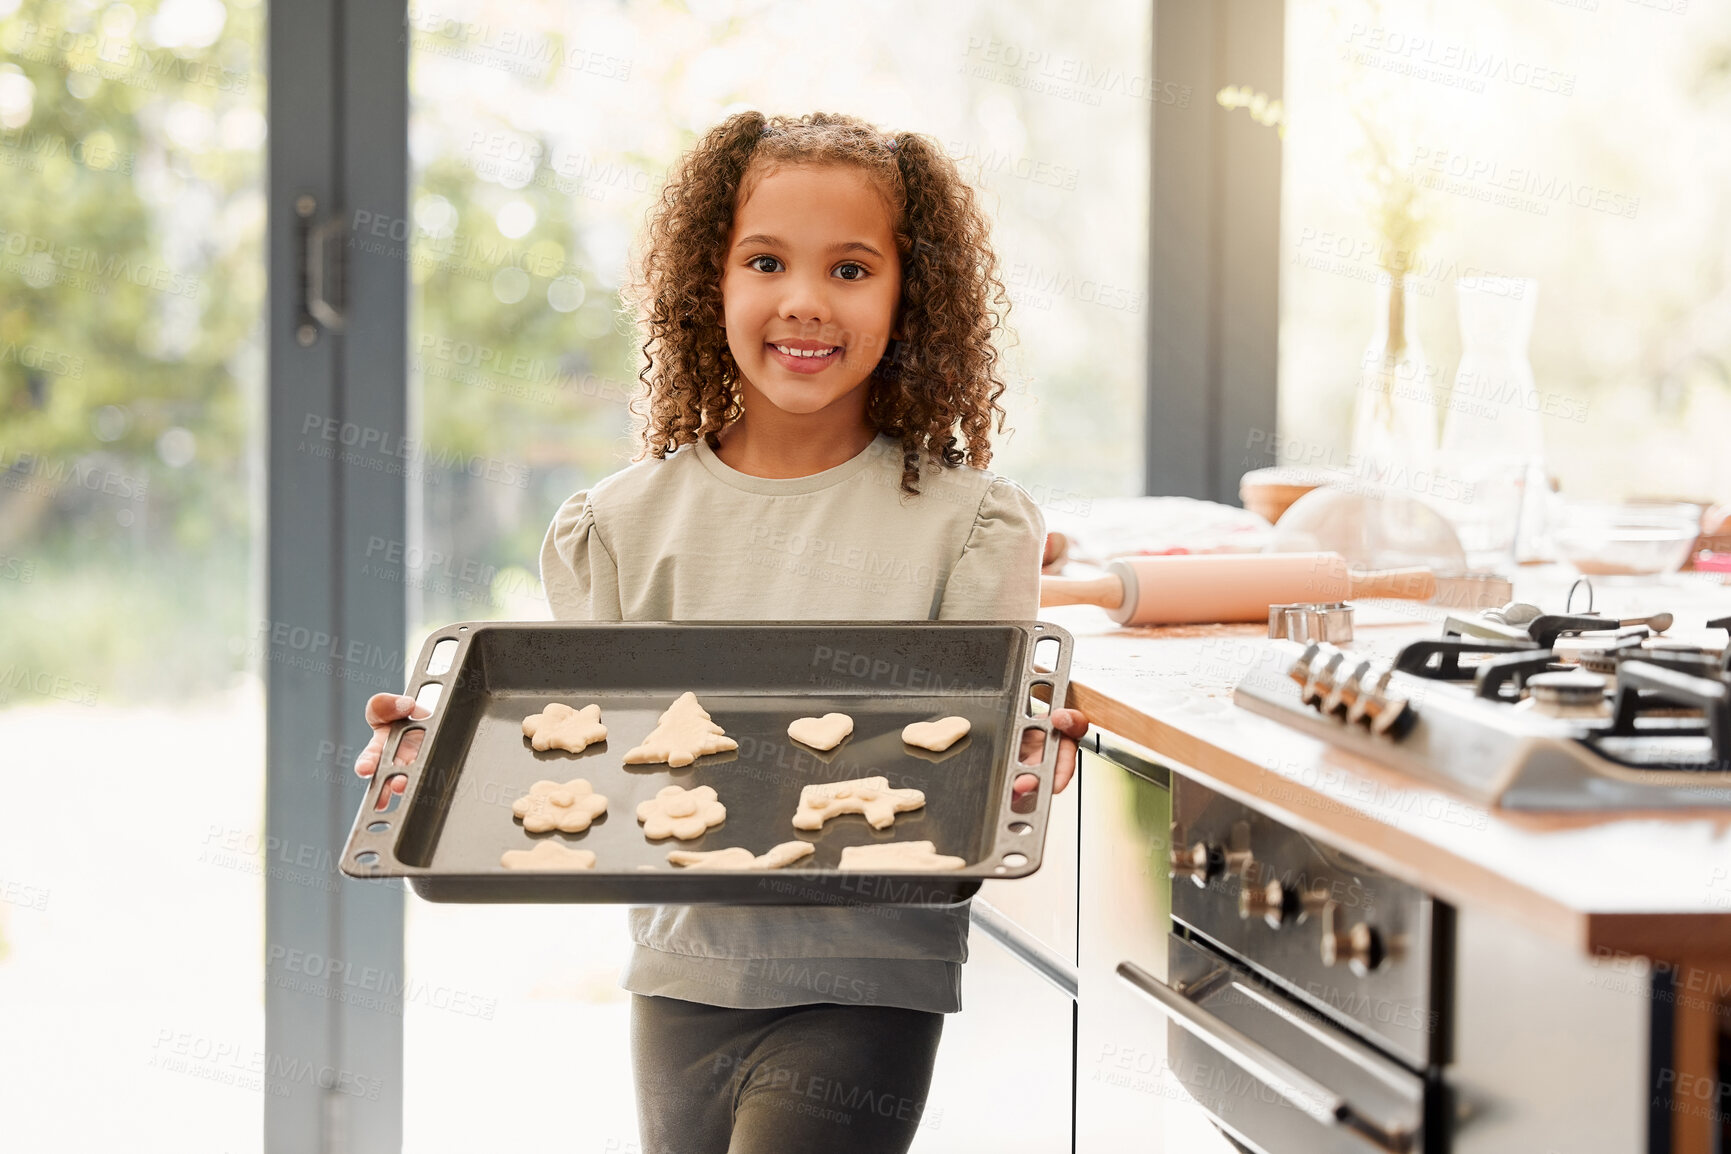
[(938, 735), (824, 732)]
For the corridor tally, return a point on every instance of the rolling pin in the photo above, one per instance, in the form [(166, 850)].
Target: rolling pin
[(1195, 588)]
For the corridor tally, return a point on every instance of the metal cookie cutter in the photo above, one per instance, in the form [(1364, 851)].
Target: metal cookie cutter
[(1311, 621)]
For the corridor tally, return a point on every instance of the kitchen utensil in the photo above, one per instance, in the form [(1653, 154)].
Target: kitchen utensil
[(1271, 492), (1325, 621), (1514, 613), (1232, 587), (454, 818), (1373, 527), (1657, 622), (1472, 590), (1632, 540)]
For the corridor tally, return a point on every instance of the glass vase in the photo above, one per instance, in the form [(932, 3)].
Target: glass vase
[(1394, 409), (1492, 449)]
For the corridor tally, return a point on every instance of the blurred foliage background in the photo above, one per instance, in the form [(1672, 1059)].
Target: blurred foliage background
[(132, 226), (131, 283)]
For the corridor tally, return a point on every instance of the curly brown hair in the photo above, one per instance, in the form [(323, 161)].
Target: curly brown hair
[(939, 379)]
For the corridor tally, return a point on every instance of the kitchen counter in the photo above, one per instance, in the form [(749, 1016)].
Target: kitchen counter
[(1656, 884)]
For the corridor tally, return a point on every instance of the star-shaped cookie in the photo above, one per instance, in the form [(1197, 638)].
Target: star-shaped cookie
[(680, 813), (681, 735), (871, 796), (548, 855), (560, 727), (568, 807), (740, 858)]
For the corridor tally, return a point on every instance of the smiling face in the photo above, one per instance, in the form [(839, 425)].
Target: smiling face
[(811, 287)]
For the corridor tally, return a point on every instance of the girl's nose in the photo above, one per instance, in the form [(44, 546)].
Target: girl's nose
[(806, 299)]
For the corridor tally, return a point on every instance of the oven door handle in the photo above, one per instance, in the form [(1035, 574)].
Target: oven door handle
[(1304, 1092)]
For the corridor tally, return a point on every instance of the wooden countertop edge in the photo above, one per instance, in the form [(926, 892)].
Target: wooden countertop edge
[(1455, 879)]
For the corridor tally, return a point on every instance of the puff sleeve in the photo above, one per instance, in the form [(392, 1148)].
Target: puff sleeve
[(997, 577), (577, 571)]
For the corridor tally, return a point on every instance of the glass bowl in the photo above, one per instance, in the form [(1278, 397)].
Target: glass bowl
[(1605, 539)]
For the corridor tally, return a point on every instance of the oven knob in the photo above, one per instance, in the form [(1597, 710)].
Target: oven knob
[(1200, 863), (1271, 902), (1360, 947), (1346, 689)]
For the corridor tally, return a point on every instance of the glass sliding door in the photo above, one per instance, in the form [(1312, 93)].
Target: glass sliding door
[(132, 848)]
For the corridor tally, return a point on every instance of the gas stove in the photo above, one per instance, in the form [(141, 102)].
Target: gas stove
[(1554, 712)]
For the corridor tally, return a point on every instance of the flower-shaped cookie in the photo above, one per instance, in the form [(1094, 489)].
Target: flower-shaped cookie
[(680, 813), (567, 807), (681, 735), (548, 855), (897, 855), (871, 796), (560, 727), (740, 858)]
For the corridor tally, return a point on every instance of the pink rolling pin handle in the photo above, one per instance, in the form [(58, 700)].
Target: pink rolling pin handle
[(1410, 584), (1107, 592)]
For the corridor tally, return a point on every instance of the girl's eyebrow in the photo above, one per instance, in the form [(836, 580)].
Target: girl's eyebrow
[(758, 238)]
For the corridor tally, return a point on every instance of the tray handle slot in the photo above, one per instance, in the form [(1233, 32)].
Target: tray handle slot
[(442, 658), (1025, 815), (429, 695), (372, 846)]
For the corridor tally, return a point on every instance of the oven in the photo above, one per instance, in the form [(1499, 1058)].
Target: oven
[(1246, 987)]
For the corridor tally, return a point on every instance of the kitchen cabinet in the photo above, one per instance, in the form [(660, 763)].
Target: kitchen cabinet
[(1127, 1095), (1004, 1075)]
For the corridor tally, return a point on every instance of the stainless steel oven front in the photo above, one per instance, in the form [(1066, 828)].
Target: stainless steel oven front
[(1301, 1000), (1305, 991)]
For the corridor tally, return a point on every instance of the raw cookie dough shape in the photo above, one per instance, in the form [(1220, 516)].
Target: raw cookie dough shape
[(560, 727), (681, 813), (898, 855), (548, 855), (740, 858), (944, 755), (567, 807), (681, 735), (824, 732), (870, 796), (938, 735)]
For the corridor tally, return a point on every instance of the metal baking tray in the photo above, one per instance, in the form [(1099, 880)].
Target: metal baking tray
[(446, 833)]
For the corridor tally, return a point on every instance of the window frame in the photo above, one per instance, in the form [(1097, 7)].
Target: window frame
[(1213, 252), (337, 108)]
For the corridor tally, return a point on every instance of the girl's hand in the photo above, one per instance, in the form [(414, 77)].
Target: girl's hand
[(1071, 724), (1055, 553), (382, 710)]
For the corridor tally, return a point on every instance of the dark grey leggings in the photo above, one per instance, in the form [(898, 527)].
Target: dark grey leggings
[(831, 1078)]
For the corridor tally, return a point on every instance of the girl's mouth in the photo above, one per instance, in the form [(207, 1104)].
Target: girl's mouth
[(804, 360)]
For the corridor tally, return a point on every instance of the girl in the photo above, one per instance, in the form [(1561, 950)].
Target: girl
[(817, 303)]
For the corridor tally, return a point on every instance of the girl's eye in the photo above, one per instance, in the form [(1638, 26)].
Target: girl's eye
[(755, 263), (858, 268)]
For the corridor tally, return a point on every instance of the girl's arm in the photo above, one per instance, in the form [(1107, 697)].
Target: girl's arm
[(998, 579), (577, 571)]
